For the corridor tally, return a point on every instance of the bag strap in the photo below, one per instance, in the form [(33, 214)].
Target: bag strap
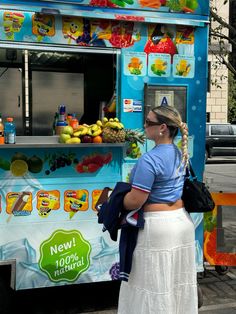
[(190, 171)]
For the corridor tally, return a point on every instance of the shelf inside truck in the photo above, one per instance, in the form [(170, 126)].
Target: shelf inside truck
[(52, 142)]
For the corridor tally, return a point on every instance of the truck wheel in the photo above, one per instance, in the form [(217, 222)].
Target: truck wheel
[(5, 297), (200, 296), (221, 270)]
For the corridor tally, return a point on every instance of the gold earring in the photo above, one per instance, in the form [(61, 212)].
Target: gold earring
[(160, 133)]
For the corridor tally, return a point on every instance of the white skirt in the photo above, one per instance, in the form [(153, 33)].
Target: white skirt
[(163, 278)]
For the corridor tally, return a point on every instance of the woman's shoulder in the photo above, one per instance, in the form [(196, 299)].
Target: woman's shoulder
[(150, 156)]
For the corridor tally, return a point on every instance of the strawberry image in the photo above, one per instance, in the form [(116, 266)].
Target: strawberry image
[(107, 158), (165, 45), (79, 168), (93, 167), (102, 3), (97, 159), (122, 33), (93, 162), (87, 160)]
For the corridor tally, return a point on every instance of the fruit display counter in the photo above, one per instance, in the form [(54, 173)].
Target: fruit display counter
[(53, 142), (53, 188), (52, 184)]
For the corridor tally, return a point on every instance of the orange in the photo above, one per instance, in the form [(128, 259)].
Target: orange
[(97, 139)]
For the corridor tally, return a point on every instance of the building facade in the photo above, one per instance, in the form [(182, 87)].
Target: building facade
[(217, 96)]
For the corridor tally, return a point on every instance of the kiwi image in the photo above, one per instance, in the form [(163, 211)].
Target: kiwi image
[(4, 164), (35, 164), (19, 156)]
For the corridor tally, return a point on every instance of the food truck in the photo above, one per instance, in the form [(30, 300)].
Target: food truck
[(112, 59)]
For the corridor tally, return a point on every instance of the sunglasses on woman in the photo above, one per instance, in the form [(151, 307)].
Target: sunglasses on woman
[(151, 123)]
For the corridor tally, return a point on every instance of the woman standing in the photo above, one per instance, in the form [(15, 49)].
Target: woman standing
[(163, 278)]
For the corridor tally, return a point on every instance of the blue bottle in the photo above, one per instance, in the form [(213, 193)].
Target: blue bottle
[(9, 131), (62, 112)]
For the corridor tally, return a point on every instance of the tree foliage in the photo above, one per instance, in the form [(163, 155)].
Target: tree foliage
[(224, 35), (232, 99)]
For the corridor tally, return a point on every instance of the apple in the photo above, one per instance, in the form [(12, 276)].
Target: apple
[(64, 137), (86, 139), (68, 130)]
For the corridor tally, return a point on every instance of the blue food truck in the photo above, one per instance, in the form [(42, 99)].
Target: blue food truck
[(112, 58)]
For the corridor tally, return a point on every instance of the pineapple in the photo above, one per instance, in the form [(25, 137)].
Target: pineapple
[(111, 135), (135, 136), (114, 132)]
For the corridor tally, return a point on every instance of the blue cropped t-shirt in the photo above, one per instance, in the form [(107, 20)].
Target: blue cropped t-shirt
[(158, 172)]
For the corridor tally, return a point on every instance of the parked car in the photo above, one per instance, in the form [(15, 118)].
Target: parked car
[(220, 139)]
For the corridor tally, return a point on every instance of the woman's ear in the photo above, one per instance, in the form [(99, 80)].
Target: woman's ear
[(163, 128)]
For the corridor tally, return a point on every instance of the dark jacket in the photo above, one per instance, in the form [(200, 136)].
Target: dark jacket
[(114, 216)]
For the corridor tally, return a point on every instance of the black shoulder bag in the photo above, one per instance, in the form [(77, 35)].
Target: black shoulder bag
[(196, 196)]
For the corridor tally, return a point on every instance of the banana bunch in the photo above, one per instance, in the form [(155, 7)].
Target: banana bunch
[(94, 130), (111, 123), (81, 131)]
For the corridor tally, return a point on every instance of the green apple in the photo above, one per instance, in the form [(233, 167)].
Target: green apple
[(68, 130), (64, 137)]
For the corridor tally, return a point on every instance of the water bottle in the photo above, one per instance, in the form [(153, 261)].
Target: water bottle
[(62, 112), (9, 131), (1, 130)]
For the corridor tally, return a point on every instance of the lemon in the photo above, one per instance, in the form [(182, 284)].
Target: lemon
[(19, 167)]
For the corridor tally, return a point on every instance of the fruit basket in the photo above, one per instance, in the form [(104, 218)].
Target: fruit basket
[(103, 131)]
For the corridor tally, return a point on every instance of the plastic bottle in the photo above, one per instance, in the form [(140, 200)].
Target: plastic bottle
[(74, 122), (59, 127), (69, 117), (1, 130), (62, 112), (55, 123), (9, 131)]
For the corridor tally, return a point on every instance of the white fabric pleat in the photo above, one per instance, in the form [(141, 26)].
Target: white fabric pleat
[(163, 277)]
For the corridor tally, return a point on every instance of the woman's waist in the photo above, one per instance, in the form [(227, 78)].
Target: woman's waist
[(151, 207)]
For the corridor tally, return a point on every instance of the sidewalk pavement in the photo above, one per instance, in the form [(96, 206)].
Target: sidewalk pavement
[(218, 291)]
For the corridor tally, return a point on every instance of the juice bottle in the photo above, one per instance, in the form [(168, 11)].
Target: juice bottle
[(74, 122), (9, 131), (69, 117), (1, 130)]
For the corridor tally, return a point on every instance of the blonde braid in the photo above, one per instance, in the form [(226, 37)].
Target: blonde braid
[(184, 147)]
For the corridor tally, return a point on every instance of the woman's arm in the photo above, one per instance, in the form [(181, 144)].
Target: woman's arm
[(135, 199)]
